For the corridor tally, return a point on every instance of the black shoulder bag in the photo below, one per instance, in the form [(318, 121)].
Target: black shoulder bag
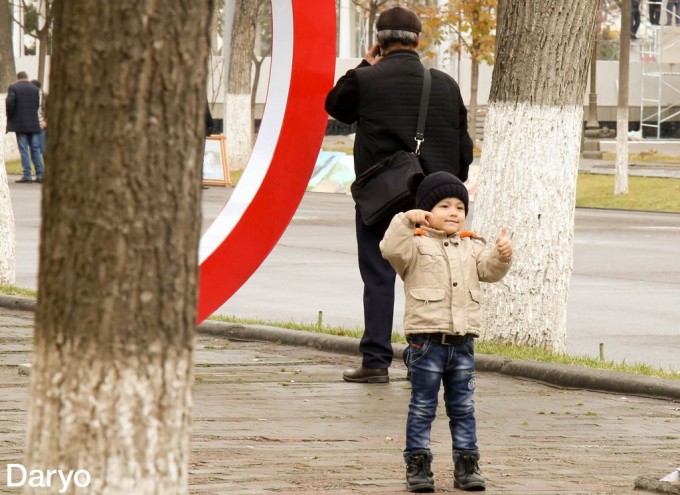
[(382, 191)]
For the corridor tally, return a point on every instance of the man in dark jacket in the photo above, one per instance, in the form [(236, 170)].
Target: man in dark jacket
[(382, 95), (23, 104)]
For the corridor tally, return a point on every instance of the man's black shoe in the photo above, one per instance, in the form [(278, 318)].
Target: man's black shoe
[(24, 180), (366, 375), (418, 474), (38, 180)]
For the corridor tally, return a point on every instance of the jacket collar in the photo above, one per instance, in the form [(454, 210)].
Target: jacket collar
[(403, 53), (439, 234)]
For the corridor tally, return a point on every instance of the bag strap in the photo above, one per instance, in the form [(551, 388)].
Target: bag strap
[(422, 115)]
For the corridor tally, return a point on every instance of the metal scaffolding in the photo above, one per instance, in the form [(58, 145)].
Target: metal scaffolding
[(660, 81)]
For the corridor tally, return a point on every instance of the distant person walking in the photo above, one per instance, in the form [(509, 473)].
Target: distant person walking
[(23, 104), (42, 117)]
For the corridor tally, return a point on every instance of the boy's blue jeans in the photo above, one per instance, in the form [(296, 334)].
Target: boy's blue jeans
[(432, 363)]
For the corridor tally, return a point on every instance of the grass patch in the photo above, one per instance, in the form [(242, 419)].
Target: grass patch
[(651, 156), (13, 290), (13, 167), (645, 193), (307, 327), (235, 175), (524, 353)]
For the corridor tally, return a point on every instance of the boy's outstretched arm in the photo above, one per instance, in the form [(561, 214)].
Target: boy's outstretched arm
[(504, 245), (493, 264)]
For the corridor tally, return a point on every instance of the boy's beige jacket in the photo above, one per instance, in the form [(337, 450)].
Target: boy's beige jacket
[(441, 277)]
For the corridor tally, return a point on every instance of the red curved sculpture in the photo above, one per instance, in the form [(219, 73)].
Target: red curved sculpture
[(283, 158)]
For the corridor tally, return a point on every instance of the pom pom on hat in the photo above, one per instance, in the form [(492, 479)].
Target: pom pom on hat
[(437, 186), (399, 19)]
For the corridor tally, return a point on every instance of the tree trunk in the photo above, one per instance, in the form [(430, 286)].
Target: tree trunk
[(43, 41), (621, 174), (8, 73), (113, 363), (7, 76), (7, 228), (474, 85), (529, 167), (500, 13), (43, 36), (239, 116)]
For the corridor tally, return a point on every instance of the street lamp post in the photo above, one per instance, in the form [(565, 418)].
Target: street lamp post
[(592, 134)]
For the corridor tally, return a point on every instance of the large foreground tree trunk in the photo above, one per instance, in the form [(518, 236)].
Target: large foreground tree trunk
[(113, 363), (529, 166)]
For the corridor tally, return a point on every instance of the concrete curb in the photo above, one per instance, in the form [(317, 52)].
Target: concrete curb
[(559, 375), (654, 485), (21, 303), (577, 377)]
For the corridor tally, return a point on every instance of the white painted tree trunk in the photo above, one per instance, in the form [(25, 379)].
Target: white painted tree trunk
[(621, 172), (123, 420), (529, 165), (7, 227), (239, 130), (527, 182), (239, 124)]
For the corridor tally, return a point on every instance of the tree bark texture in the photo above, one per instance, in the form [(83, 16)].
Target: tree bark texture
[(239, 115), (117, 287), (529, 165), (474, 86), (7, 227), (8, 73)]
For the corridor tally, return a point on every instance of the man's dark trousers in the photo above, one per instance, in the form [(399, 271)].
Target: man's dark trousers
[(378, 277)]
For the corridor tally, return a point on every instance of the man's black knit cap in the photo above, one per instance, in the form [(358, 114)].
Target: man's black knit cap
[(438, 186), (399, 19)]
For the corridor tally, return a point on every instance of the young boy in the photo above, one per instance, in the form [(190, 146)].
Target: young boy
[(441, 266)]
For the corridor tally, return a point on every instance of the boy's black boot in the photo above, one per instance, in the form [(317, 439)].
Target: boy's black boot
[(467, 475), (418, 474)]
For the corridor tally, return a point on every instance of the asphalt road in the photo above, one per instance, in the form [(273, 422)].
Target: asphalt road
[(625, 290)]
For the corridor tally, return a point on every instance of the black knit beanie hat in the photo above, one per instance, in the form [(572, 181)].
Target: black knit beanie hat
[(433, 188)]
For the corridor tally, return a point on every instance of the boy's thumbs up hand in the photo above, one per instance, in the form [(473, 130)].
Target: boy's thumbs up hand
[(503, 244)]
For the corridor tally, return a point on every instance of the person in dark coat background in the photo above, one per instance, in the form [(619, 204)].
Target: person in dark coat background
[(208, 120), (382, 95), (22, 106), (209, 125)]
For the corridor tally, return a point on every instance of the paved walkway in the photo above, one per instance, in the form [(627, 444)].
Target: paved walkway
[(271, 418)]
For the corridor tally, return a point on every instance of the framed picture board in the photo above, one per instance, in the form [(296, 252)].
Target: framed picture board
[(215, 169)]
